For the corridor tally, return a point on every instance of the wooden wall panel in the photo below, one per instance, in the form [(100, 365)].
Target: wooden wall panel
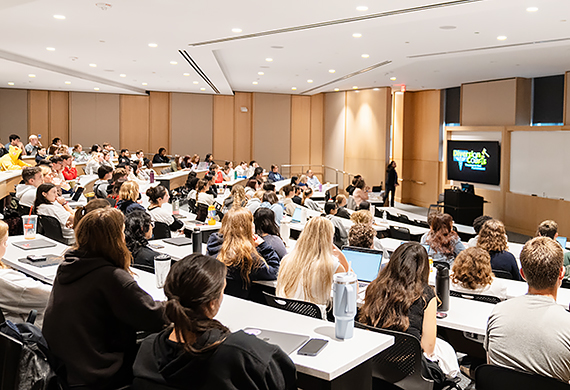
[(397, 143), (13, 114), (334, 133), (271, 129), (38, 115), (317, 122), (59, 115), (524, 99), (159, 121), (93, 119), (243, 127), (300, 131), (223, 128), (192, 122), (567, 99), (367, 125), (134, 122)]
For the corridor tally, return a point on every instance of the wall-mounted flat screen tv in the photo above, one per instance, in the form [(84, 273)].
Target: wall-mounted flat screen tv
[(474, 161)]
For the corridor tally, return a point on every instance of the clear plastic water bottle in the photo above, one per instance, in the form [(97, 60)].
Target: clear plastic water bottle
[(176, 206)]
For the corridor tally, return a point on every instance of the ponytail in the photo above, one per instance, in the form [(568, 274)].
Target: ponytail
[(308, 192), (199, 187)]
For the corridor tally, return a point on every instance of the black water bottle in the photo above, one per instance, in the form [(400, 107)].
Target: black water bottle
[(197, 240), (442, 288)]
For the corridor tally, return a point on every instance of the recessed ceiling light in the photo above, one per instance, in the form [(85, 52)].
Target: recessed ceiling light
[(50, 48), (448, 27), (254, 83), (68, 82), (269, 59), (260, 73), (355, 87), (393, 78), (186, 74), (236, 30), (173, 63), (122, 75), (376, 89), (60, 17), (357, 91), (309, 81), (195, 82), (31, 75), (501, 37), (152, 45), (336, 89), (365, 55), (294, 88), (532, 9), (10, 83), (96, 89), (332, 70), (362, 8), (144, 83), (93, 65), (357, 35), (202, 89)]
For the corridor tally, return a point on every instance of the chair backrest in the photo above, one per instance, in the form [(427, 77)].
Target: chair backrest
[(10, 353), (489, 377), (192, 205), (403, 218), (475, 297), (351, 203), (201, 212), (300, 307), (400, 364), (51, 228), (400, 233), (24, 210), (160, 231), (337, 240), (565, 283), (421, 223), (499, 273), (143, 267)]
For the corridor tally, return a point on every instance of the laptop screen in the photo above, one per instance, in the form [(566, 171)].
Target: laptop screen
[(562, 241), (297, 215), (365, 263)]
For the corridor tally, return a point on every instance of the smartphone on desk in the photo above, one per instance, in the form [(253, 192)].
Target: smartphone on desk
[(312, 347), (156, 246)]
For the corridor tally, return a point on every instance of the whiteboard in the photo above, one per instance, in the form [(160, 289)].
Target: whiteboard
[(540, 163)]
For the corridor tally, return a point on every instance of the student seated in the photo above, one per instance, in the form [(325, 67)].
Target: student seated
[(241, 169), (101, 186), (96, 307), (472, 274), (20, 293), (401, 299), (255, 202), (11, 161), (161, 157), (49, 203), (108, 159), (251, 168), (257, 174), (113, 196), (78, 154), (237, 198), (247, 256), (330, 211), (212, 187), (252, 186), (307, 272), (297, 199), (493, 239), (312, 180), (364, 205), (202, 195), (33, 145), (532, 332), (41, 155), (361, 236), (341, 207), (351, 187), (159, 196), (138, 230), (129, 196), (308, 202), (287, 201), (69, 172), (94, 163), (26, 193), (270, 201), (477, 225), (294, 181), (274, 175), (124, 157), (365, 217), (266, 228), (360, 193), (444, 243), (82, 211), (197, 351)]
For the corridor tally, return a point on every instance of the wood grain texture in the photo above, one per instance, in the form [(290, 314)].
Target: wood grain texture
[(38, 114), (300, 130), (134, 122), (243, 127), (317, 128), (489, 103), (159, 121), (13, 113), (223, 128), (59, 115), (93, 119), (567, 99), (192, 122), (271, 129), (334, 132)]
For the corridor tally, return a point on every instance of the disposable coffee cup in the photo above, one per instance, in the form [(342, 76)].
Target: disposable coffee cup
[(30, 223), (161, 269)]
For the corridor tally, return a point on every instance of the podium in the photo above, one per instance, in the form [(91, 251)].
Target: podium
[(464, 207)]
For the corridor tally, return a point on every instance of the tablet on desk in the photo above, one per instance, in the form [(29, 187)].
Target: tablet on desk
[(288, 342), (178, 241), (34, 244)]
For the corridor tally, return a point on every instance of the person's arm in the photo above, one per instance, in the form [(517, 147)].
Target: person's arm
[(176, 225), (280, 372), (459, 247), (270, 271), (341, 258), (429, 328)]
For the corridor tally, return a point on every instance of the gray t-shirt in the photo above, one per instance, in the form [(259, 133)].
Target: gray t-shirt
[(530, 333)]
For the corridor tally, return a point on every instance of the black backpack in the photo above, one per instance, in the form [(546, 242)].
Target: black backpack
[(38, 368)]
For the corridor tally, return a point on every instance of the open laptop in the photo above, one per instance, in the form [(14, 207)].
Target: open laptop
[(562, 241), (203, 166), (366, 263), (288, 342), (297, 215)]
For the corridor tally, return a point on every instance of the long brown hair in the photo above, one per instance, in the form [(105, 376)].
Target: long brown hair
[(191, 284), (100, 233), (389, 297), (238, 249), (472, 269), (493, 236), (441, 237), (90, 206)]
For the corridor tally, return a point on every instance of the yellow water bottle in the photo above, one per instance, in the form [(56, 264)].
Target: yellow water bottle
[(211, 214)]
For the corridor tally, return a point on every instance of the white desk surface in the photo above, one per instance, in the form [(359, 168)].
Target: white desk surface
[(6, 175), (395, 211), (321, 194), (338, 357), (280, 184), (172, 175)]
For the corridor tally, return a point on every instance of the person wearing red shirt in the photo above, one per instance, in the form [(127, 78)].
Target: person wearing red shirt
[(69, 171)]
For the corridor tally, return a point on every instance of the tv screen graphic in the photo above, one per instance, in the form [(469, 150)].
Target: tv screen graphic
[(474, 161)]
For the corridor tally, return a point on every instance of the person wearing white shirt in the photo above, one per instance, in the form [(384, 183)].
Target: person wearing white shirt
[(308, 202), (202, 197), (330, 211), (159, 196), (49, 204), (93, 164), (241, 169), (26, 193), (312, 180)]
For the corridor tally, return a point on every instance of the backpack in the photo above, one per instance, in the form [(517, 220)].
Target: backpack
[(38, 368)]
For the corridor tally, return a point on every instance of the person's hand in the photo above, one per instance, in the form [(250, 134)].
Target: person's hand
[(257, 240), (61, 200)]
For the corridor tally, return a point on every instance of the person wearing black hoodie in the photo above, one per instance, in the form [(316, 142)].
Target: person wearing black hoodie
[(96, 307), (128, 198), (138, 230), (199, 352)]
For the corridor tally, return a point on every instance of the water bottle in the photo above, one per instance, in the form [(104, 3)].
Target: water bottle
[(151, 174), (196, 240), (442, 287), (175, 206), (344, 304), (285, 231), (211, 214), (384, 216), (161, 269)]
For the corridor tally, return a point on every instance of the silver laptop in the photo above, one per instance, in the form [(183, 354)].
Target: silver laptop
[(288, 342)]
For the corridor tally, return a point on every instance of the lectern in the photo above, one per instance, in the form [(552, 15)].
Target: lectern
[(464, 207)]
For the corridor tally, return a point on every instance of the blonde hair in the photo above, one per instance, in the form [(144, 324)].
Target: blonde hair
[(258, 194), (238, 194), (46, 170), (3, 233), (238, 249), (310, 264), (129, 191), (362, 216)]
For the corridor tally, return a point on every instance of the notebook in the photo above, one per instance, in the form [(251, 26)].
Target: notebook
[(34, 244), (366, 263), (178, 241), (288, 342)]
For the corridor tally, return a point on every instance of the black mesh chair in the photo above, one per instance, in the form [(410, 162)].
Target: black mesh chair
[(565, 283), (51, 228), (400, 233), (201, 212), (423, 224), (400, 364), (192, 205), (300, 307), (403, 218), (499, 273), (475, 297), (23, 210), (337, 240), (143, 267), (160, 231), (490, 377), (10, 352)]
